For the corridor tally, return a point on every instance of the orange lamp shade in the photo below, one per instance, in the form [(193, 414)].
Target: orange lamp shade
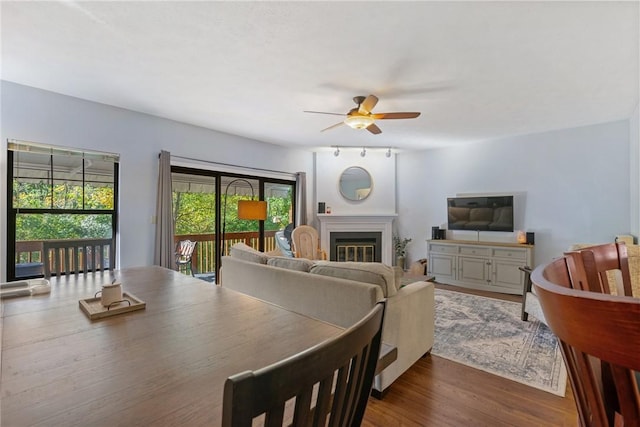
[(252, 209)]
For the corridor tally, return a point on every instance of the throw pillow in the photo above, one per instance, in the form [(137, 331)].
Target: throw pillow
[(367, 272), (298, 264), (247, 253)]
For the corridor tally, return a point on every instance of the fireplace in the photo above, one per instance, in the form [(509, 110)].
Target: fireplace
[(358, 226), (355, 246)]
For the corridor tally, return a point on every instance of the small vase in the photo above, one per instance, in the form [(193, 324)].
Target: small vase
[(400, 262)]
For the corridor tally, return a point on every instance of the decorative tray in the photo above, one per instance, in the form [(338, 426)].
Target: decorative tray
[(94, 309)]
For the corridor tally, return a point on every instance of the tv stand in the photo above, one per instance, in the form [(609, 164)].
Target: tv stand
[(487, 266)]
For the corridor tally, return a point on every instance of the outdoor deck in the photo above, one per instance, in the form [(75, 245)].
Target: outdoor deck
[(30, 257)]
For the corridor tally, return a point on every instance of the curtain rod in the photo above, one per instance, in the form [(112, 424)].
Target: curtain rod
[(232, 165)]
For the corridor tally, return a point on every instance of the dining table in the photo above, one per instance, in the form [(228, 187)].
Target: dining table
[(165, 364)]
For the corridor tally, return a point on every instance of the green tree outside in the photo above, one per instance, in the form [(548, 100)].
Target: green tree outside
[(194, 213), (47, 226)]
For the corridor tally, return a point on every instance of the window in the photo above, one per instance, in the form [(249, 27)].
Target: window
[(59, 194)]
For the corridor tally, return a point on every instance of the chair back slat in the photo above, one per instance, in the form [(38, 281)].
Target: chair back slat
[(342, 368), (184, 254), (598, 261), (306, 243), (599, 334)]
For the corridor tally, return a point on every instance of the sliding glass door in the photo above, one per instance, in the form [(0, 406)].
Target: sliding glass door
[(234, 228), (194, 216), (206, 210), (280, 197)]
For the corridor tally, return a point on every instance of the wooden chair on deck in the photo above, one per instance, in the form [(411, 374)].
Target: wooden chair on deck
[(340, 370), (599, 336), (306, 243), (184, 254)]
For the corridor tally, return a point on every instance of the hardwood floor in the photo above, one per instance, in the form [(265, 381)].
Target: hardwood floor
[(438, 392)]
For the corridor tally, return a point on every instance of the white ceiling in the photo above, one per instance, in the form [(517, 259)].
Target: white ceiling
[(476, 70)]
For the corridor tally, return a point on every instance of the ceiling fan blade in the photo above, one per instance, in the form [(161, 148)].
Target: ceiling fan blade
[(333, 126), (380, 116), (368, 104), (374, 129), (324, 112)]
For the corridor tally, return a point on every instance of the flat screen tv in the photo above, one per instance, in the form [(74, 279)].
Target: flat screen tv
[(479, 213)]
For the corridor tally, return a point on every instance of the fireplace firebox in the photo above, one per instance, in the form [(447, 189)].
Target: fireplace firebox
[(355, 246)]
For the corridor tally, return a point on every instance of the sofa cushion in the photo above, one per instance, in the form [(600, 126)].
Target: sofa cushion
[(298, 264), (398, 273), (368, 272), (247, 253)]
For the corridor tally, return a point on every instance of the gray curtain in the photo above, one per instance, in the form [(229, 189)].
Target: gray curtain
[(164, 247), (301, 198)]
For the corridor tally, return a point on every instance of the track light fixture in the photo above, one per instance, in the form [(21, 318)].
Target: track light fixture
[(362, 148)]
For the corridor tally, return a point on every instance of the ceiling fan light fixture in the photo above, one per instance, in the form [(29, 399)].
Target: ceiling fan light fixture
[(358, 121)]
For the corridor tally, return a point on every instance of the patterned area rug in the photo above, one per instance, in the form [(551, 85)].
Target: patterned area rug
[(487, 334)]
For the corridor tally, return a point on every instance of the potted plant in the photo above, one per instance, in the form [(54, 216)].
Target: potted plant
[(400, 246)]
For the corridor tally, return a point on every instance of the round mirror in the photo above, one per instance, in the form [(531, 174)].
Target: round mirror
[(355, 183)]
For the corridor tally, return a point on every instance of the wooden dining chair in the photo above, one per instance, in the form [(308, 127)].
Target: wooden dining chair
[(330, 381), (184, 254), (599, 336), (601, 264)]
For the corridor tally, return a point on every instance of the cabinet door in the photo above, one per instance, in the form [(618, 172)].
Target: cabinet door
[(474, 270), (442, 266), (506, 275)]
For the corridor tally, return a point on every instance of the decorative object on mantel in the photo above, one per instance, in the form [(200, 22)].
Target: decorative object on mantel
[(400, 246), (522, 236), (94, 309)]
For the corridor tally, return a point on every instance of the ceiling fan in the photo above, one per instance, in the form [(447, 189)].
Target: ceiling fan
[(361, 117)]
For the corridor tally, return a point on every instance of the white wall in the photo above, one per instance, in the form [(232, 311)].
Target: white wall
[(35, 115), (571, 186), (382, 198), (634, 158)]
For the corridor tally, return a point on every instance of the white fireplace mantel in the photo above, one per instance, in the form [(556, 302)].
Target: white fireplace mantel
[(359, 223)]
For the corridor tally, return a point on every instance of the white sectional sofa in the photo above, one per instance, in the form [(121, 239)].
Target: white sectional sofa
[(341, 294)]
